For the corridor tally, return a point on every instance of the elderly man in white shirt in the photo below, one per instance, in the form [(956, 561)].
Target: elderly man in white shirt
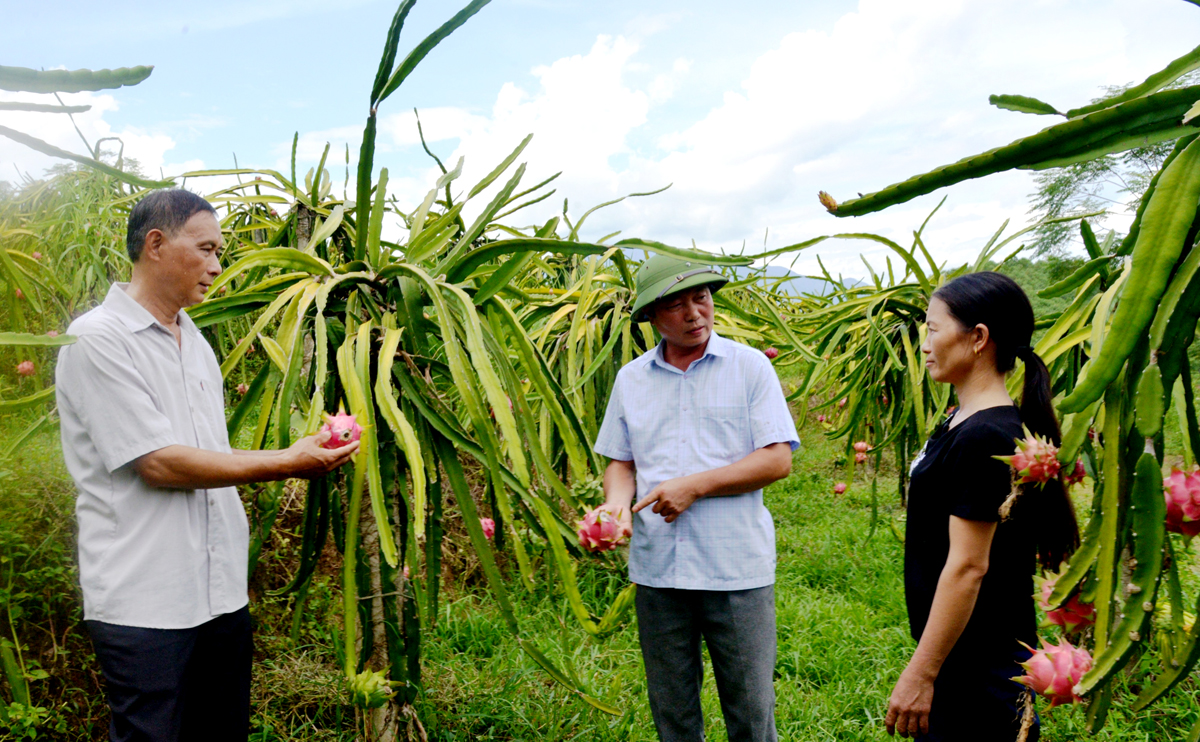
[(696, 428), (163, 537)]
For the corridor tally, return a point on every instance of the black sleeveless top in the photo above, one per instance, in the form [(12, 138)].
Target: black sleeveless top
[(955, 474)]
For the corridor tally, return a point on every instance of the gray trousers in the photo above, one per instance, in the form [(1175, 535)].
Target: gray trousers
[(738, 627)]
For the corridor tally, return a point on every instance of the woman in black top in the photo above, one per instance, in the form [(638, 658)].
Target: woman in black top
[(968, 578)]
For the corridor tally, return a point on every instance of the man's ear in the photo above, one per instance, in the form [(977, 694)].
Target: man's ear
[(153, 244)]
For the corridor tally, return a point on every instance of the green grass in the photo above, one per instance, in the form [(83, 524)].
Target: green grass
[(843, 632)]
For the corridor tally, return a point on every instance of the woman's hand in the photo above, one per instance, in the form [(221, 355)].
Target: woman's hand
[(908, 708)]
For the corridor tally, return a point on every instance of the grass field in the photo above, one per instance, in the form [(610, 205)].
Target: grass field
[(843, 636)]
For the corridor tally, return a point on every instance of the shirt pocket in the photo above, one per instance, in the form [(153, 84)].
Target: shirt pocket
[(723, 436)]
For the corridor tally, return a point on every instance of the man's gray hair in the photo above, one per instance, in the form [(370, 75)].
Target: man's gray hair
[(166, 210)]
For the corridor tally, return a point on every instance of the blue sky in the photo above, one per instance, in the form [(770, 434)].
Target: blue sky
[(747, 113)]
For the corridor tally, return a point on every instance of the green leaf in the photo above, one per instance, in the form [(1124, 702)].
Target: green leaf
[(49, 149), (390, 46), (421, 50), (41, 107), (465, 265), (490, 177), (698, 255), (30, 339), (37, 398), (1022, 104), (25, 80), (273, 257)]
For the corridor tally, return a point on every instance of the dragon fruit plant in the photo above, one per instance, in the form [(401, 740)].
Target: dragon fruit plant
[(343, 430), (1034, 461), (600, 531), (1072, 616), (489, 527), (1182, 490), (1054, 670)]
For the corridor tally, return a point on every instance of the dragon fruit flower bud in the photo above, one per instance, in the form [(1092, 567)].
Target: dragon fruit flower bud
[(489, 527), (343, 430), (242, 389), (1072, 616), (1054, 670), (1035, 460), (839, 488), (771, 353), (860, 458), (600, 531), (827, 201), (862, 447), (1076, 475), (25, 368), (370, 689), (1182, 491)]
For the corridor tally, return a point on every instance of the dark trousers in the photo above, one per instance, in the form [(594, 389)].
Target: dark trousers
[(739, 629), (976, 700), (177, 685)]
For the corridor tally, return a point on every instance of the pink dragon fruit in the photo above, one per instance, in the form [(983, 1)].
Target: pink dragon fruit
[(242, 389), (51, 333), (771, 353), (1035, 460), (820, 418), (860, 458), (1076, 475), (36, 255), (839, 488), (862, 447), (1054, 670), (25, 368), (884, 399), (20, 294), (600, 531), (842, 402), (343, 430), (489, 527), (1182, 490), (1071, 616)]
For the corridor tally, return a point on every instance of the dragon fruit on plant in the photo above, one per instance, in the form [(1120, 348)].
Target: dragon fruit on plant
[(860, 458), (862, 447), (489, 527), (242, 389), (343, 430), (771, 353), (1035, 460), (1054, 670), (25, 368), (1076, 475), (370, 689), (839, 488), (600, 531), (1071, 616), (1182, 490)]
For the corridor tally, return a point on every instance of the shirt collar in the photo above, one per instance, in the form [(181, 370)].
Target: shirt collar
[(134, 315), (717, 346)]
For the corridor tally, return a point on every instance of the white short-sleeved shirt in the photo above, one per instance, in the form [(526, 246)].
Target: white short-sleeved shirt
[(673, 423), (148, 556)]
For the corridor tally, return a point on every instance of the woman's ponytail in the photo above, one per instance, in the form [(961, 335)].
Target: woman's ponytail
[(997, 302)]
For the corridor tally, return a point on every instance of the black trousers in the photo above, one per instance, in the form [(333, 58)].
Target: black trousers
[(177, 685), (977, 700)]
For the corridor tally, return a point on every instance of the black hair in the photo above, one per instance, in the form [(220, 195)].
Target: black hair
[(997, 302), (166, 210)]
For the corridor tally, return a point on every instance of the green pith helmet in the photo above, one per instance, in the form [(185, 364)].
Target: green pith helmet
[(663, 275)]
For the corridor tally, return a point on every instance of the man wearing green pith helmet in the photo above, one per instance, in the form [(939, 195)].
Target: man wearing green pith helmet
[(695, 428)]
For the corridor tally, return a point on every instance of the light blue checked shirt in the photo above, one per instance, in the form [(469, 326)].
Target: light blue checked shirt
[(672, 423)]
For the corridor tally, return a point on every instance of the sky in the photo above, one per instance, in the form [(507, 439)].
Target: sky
[(745, 114)]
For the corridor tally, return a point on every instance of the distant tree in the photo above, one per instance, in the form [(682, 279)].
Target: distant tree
[(1113, 184)]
